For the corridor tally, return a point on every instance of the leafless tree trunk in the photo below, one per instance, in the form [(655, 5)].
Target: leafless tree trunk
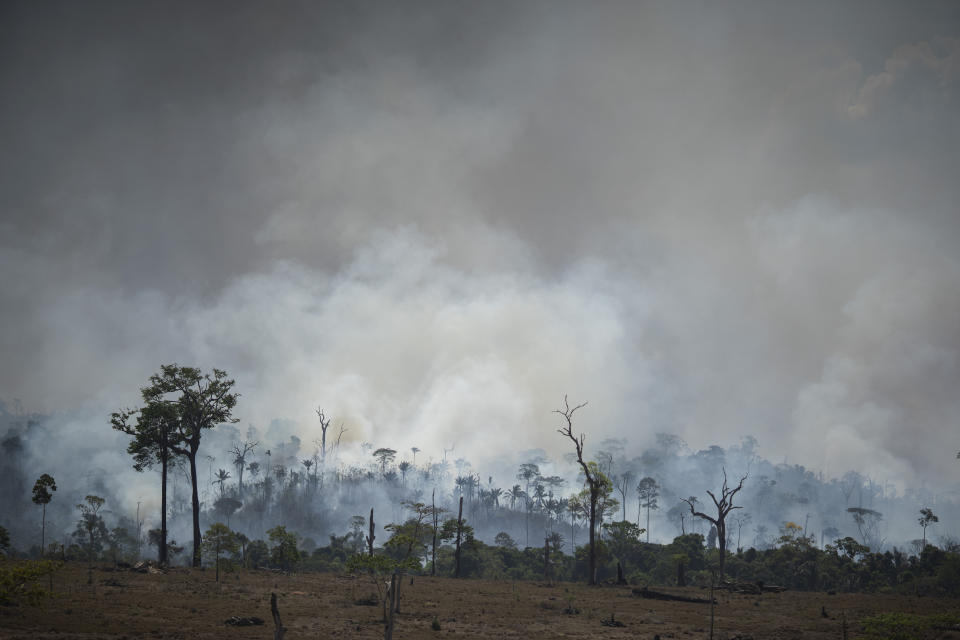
[(456, 573), (279, 630), (436, 519), (724, 506), (394, 600), (371, 537), (592, 481), (324, 424)]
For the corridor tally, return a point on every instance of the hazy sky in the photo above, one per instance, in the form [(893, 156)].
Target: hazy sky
[(712, 219)]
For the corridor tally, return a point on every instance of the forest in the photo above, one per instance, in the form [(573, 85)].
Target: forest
[(218, 496)]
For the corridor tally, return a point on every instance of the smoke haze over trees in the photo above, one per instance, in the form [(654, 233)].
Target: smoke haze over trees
[(436, 219)]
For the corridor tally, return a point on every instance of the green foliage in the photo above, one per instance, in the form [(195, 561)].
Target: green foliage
[(91, 529), (908, 626), (283, 553), (410, 539), (155, 433), (4, 539), (200, 401), (376, 564), (18, 582), (448, 530), (849, 547), (42, 489), (622, 533), (219, 540), (121, 542), (504, 540), (258, 554)]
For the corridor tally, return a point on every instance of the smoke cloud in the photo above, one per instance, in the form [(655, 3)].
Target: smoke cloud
[(436, 220)]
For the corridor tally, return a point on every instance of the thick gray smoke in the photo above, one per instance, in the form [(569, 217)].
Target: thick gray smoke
[(435, 221)]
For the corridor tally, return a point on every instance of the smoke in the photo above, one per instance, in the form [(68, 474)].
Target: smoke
[(436, 222)]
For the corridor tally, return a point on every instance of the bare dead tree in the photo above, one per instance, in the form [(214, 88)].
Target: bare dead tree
[(371, 537), (622, 483), (724, 507), (593, 480), (342, 431), (324, 425), (279, 629), (456, 573)]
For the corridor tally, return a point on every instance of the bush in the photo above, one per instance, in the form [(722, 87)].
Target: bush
[(18, 581)]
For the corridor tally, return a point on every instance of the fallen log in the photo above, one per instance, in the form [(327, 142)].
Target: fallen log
[(659, 595), (751, 588)]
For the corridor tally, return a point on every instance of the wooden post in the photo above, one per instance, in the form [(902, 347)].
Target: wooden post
[(456, 573), (392, 598), (546, 559), (279, 630), (712, 581), (436, 518)]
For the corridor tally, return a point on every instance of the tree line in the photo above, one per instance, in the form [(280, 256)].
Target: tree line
[(180, 403)]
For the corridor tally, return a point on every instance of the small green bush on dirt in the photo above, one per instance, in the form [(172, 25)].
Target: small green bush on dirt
[(18, 581)]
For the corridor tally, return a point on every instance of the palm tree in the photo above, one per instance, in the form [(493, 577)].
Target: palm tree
[(495, 494), (307, 463), (463, 482), (539, 493), (404, 468), (222, 476), (515, 493), (560, 507)]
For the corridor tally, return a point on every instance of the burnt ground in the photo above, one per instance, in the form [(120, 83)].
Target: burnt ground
[(186, 603)]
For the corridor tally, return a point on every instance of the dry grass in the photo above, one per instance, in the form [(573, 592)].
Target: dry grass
[(188, 603)]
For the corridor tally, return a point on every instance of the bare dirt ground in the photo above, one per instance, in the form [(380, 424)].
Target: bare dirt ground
[(185, 603)]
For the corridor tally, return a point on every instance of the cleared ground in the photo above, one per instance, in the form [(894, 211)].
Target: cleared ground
[(185, 603)]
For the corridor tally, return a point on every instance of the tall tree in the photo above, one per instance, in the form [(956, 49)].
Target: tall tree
[(203, 401), (622, 483), (404, 469), (91, 527), (926, 519), (220, 539), (154, 434), (868, 524), (385, 456), (516, 493), (42, 495), (528, 471), (593, 480), (648, 491), (724, 506)]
